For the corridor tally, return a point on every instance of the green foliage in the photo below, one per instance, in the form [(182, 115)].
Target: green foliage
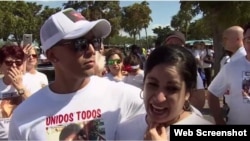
[(161, 33), (131, 22), (19, 17), (94, 10), (217, 16), (199, 30)]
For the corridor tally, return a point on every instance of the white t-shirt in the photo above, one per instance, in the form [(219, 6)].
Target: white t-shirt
[(135, 128), (232, 77), (5, 91), (111, 77), (35, 82), (44, 115), (224, 60), (135, 80), (238, 54), (197, 55)]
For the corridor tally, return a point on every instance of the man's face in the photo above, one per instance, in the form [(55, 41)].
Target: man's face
[(229, 41), (78, 62)]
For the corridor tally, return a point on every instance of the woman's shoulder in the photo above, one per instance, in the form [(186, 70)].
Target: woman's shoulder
[(195, 119)]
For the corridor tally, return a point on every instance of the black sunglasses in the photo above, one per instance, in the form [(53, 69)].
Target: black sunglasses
[(82, 44), (33, 55), (11, 62)]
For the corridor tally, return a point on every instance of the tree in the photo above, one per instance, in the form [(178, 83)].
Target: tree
[(181, 21), (44, 15), (219, 15), (198, 30), (146, 20), (20, 17), (161, 33), (94, 10), (135, 18)]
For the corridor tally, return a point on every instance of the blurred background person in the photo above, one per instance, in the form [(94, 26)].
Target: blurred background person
[(114, 64), (135, 73), (198, 97), (230, 79), (138, 51), (207, 59), (36, 79)]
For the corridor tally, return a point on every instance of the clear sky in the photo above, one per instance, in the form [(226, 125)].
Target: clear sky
[(162, 11)]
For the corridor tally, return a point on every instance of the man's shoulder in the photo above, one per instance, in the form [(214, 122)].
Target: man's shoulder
[(235, 62), (113, 84)]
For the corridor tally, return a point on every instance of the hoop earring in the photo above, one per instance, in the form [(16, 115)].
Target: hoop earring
[(141, 94), (186, 106)]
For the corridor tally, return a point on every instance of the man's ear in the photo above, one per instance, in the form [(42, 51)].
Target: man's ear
[(51, 56)]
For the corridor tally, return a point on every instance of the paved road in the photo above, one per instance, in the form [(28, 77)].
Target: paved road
[(206, 111)]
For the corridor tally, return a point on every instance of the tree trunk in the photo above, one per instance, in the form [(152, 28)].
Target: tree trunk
[(134, 38), (218, 48), (146, 38)]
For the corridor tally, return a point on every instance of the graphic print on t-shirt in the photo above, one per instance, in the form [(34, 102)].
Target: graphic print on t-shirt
[(4, 130), (8, 95), (87, 125), (246, 87)]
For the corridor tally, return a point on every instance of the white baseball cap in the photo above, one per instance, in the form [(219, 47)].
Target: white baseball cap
[(70, 24)]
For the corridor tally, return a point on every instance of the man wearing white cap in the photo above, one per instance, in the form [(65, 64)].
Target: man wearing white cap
[(76, 96)]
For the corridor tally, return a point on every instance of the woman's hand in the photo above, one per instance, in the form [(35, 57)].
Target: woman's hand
[(156, 132), (16, 77), (26, 50)]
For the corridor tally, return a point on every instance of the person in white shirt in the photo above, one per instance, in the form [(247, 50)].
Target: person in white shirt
[(12, 89), (198, 98), (135, 73), (170, 78), (76, 96), (114, 64), (207, 60), (36, 79), (230, 79)]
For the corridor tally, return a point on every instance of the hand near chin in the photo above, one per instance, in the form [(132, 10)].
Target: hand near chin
[(156, 132), (16, 77)]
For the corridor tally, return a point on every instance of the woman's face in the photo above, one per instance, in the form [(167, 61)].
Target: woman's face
[(32, 58), (11, 62), (114, 64), (164, 94)]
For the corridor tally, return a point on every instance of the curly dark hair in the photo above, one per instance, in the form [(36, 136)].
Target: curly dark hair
[(11, 51)]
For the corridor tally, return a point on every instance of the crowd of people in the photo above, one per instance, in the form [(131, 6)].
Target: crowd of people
[(100, 94)]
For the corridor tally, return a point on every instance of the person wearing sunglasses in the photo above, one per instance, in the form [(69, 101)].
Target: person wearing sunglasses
[(135, 73), (12, 87), (114, 63), (76, 95), (169, 79), (36, 79)]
